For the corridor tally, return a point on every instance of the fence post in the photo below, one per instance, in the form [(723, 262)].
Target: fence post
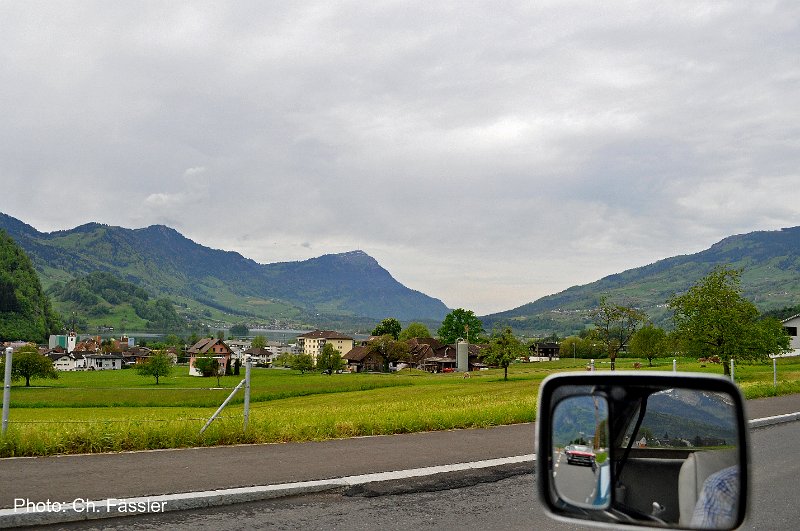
[(225, 403), (592, 366), (775, 372), (674, 365), (7, 389), (733, 374), (247, 365)]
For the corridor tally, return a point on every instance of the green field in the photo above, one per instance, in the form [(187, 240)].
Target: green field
[(119, 410)]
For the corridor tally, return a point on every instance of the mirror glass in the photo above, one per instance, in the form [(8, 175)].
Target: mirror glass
[(643, 450), (580, 438)]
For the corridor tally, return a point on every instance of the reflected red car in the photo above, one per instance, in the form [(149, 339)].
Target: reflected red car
[(579, 455)]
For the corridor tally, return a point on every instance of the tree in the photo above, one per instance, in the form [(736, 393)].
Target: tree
[(28, 363), (237, 366), (615, 325), (25, 310), (302, 363), (330, 360), (580, 348), (460, 323), (503, 349), (157, 365), (238, 330), (221, 335), (390, 350), (260, 341), (414, 330), (284, 359), (648, 342), (713, 319), (389, 326), (208, 366)]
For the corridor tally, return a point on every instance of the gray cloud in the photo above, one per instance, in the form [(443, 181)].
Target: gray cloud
[(484, 154)]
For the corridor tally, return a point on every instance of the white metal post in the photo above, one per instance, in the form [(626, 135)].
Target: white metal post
[(733, 375), (225, 403), (674, 365), (247, 364), (592, 365), (775, 372), (7, 389)]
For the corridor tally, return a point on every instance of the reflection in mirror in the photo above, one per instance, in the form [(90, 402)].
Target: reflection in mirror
[(580, 437), (652, 450), (688, 439)]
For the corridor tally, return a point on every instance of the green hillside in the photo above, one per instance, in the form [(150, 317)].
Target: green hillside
[(349, 289), (770, 263), (100, 300), (25, 312)]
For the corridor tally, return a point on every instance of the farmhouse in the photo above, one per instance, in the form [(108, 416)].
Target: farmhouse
[(104, 362), (360, 359), (426, 354), (62, 361), (211, 347)]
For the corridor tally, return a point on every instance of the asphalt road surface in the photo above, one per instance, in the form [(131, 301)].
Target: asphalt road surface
[(575, 482), (507, 503)]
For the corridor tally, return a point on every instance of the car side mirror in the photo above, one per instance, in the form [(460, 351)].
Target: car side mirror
[(646, 450)]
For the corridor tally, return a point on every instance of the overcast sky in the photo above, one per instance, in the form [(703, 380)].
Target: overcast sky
[(485, 153)]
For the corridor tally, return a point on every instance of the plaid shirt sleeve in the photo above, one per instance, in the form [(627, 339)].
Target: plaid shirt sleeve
[(718, 501)]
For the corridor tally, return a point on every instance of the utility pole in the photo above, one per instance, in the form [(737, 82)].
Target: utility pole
[(7, 389)]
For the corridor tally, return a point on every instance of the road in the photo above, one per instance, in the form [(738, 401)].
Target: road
[(509, 503), (575, 482)]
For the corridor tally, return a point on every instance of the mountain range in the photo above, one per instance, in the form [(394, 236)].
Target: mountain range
[(351, 291), (769, 261), (331, 289)]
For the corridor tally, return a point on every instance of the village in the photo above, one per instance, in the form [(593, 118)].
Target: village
[(69, 352)]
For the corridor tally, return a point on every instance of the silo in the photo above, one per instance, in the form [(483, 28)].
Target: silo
[(462, 355)]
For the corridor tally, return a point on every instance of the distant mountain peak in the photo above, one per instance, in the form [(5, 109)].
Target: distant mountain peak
[(357, 256), (159, 258)]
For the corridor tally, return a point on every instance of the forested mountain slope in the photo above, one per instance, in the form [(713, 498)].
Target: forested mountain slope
[(770, 263), (165, 263)]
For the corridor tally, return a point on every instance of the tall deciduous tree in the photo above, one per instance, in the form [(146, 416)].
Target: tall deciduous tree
[(207, 366), (158, 365), (615, 325), (503, 349), (713, 319), (239, 330), (302, 363), (460, 323), (649, 342), (330, 360), (260, 341), (414, 330), (390, 326), (390, 350), (580, 348), (28, 363)]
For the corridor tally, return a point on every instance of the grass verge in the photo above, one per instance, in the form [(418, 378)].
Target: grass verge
[(120, 411)]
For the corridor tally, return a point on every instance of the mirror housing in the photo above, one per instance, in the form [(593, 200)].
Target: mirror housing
[(648, 477)]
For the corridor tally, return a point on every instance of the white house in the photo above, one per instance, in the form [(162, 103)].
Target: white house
[(104, 362), (80, 360), (791, 325), (62, 361), (238, 348)]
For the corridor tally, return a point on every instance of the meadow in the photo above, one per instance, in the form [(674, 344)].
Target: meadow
[(108, 411)]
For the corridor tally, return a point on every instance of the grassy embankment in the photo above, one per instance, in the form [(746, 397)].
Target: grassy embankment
[(119, 410)]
